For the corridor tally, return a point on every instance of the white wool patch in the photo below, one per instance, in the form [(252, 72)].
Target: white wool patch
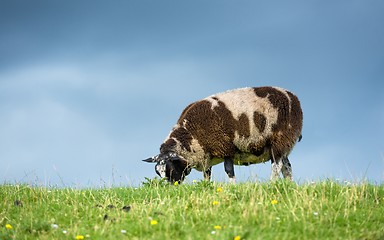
[(245, 101), (214, 102), (197, 155), (178, 144), (185, 121)]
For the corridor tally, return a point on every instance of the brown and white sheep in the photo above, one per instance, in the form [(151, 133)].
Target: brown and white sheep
[(242, 126)]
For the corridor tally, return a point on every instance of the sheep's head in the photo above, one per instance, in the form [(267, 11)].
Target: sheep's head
[(171, 166)]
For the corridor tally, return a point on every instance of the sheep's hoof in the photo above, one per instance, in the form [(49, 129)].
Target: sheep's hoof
[(232, 180)]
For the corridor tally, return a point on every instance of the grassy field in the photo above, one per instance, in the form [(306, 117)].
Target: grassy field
[(200, 210)]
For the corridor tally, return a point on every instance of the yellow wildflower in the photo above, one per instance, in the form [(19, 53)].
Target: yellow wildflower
[(8, 226), (237, 238), (79, 237), (219, 189), (217, 227), (154, 222), (176, 183), (274, 201), (214, 203)]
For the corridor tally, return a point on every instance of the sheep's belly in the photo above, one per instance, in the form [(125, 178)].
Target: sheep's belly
[(243, 159), (248, 158)]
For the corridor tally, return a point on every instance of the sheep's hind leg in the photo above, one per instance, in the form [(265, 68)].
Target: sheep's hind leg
[(207, 174), (286, 170), (229, 169), (277, 165)]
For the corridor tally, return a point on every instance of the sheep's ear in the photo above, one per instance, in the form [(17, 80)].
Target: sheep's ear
[(152, 159)]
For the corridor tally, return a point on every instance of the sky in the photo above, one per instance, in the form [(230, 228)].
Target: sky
[(90, 88)]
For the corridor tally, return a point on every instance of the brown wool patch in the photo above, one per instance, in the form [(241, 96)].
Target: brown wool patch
[(283, 137), (213, 129), (182, 116), (296, 117), (262, 91), (258, 149), (184, 137), (243, 126), (260, 121), (167, 146)]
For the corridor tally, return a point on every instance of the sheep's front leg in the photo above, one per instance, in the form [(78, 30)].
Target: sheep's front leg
[(207, 174), (229, 169), (286, 170)]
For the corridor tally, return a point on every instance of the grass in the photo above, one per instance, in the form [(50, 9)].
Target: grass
[(201, 210)]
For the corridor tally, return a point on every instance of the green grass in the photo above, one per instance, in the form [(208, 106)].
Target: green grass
[(202, 210)]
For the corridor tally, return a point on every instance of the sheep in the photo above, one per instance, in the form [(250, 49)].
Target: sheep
[(241, 126)]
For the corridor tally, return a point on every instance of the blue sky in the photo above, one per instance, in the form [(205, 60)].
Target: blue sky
[(89, 88)]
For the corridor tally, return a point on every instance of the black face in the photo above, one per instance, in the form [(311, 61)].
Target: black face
[(173, 170), (169, 169), (170, 166)]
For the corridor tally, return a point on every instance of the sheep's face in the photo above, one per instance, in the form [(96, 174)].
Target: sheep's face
[(170, 166)]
